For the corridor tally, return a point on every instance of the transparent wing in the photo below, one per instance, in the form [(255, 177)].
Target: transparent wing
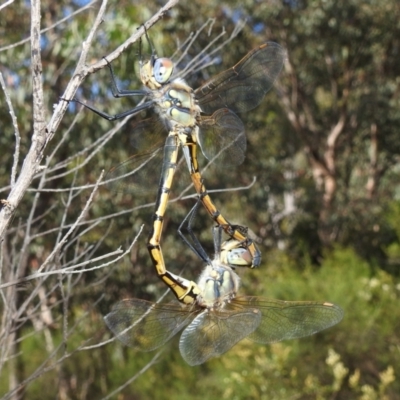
[(213, 333), (222, 137), (283, 320), (148, 133), (140, 173), (145, 325), (242, 87)]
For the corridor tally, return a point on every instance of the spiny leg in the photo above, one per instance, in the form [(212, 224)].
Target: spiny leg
[(108, 117), (194, 244), (118, 93)]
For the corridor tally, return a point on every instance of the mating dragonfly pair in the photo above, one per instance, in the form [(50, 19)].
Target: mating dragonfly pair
[(215, 318), (219, 318)]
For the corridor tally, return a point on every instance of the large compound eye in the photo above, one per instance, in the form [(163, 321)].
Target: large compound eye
[(239, 257), (162, 69)]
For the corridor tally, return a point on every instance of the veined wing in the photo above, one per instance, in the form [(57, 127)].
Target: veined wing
[(134, 174), (145, 325), (148, 133), (214, 332), (222, 137), (242, 87), (140, 173), (282, 320)]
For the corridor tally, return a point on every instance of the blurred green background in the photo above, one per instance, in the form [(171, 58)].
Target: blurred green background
[(325, 208)]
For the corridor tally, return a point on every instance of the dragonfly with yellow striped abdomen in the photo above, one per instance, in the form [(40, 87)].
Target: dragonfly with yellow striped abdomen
[(206, 117), (218, 318)]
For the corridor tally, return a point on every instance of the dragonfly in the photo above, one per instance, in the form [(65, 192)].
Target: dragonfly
[(205, 117), (219, 318)]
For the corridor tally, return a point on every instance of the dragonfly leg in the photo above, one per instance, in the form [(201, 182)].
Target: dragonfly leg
[(109, 117), (186, 291), (236, 232), (116, 91), (194, 244)]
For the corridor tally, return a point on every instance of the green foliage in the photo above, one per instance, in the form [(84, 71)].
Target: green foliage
[(343, 59), (338, 362), (356, 359)]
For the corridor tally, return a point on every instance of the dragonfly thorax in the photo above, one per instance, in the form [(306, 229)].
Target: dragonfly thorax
[(174, 101), (176, 104), (218, 285)]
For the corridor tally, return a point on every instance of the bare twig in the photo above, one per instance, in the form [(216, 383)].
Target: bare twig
[(7, 3), (74, 225), (42, 133), (61, 21), (16, 131)]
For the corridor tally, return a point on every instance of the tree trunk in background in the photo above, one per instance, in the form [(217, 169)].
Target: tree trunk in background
[(319, 146)]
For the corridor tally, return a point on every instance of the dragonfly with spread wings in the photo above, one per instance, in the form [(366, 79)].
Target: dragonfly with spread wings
[(205, 117), (218, 318)]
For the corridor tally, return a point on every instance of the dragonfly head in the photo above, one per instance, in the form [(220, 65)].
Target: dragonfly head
[(234, 254), (156, 72)]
